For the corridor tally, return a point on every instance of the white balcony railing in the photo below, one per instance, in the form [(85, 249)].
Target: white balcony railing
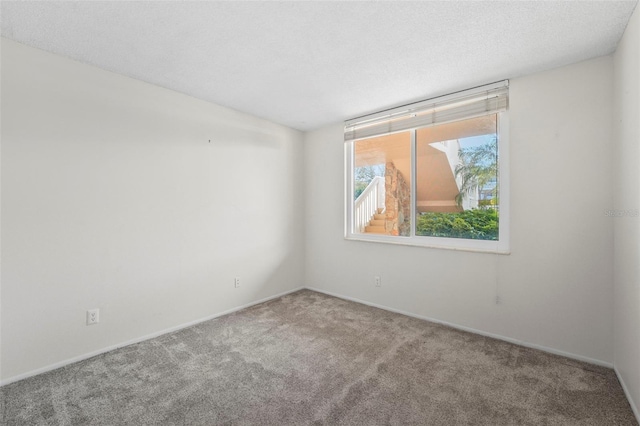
[(368, 203)]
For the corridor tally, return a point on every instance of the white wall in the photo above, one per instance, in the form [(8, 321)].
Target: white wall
[(556, 285), (113, 198), (627, 197)]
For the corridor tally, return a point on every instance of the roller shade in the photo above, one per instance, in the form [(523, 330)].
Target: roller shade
[(470, 103)]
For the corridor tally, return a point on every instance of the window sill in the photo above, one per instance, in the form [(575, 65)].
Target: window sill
[(455, 244)]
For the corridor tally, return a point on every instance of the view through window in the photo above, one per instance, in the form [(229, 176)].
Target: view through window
[(457, 192)]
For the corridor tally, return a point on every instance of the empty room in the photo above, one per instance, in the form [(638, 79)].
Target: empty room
[(301, 212)]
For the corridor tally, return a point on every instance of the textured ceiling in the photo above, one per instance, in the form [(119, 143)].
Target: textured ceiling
[(307, 64)]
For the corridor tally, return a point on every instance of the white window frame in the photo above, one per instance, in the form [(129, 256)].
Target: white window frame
[(501, 246)]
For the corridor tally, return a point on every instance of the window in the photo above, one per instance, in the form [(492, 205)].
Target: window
[(433, 173)]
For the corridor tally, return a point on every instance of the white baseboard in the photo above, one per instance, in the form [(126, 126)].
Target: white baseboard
[(632, 403), (82, 357), (375, 305), (471, 330)]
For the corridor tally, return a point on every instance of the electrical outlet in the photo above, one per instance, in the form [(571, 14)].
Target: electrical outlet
[(236, 283), (93, 316), (498, 300), (377, 280)]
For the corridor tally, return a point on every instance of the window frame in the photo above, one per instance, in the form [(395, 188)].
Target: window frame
[(501, 246)]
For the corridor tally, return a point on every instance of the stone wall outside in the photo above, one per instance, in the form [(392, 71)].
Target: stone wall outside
[(397, 202)]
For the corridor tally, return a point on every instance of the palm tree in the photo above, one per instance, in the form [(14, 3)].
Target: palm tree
[(477, 168)]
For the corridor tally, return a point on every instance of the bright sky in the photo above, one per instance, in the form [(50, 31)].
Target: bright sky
[(476, 140)]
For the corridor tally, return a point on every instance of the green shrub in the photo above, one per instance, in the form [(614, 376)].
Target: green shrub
[(359, 188), (471, 224)]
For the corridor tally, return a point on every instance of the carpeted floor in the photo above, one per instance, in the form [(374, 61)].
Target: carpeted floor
[(308, 358)]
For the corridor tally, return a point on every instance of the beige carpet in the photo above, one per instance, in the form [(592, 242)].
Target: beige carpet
[(308, 358)]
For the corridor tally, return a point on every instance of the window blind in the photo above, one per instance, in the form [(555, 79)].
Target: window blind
[(470, 103)]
